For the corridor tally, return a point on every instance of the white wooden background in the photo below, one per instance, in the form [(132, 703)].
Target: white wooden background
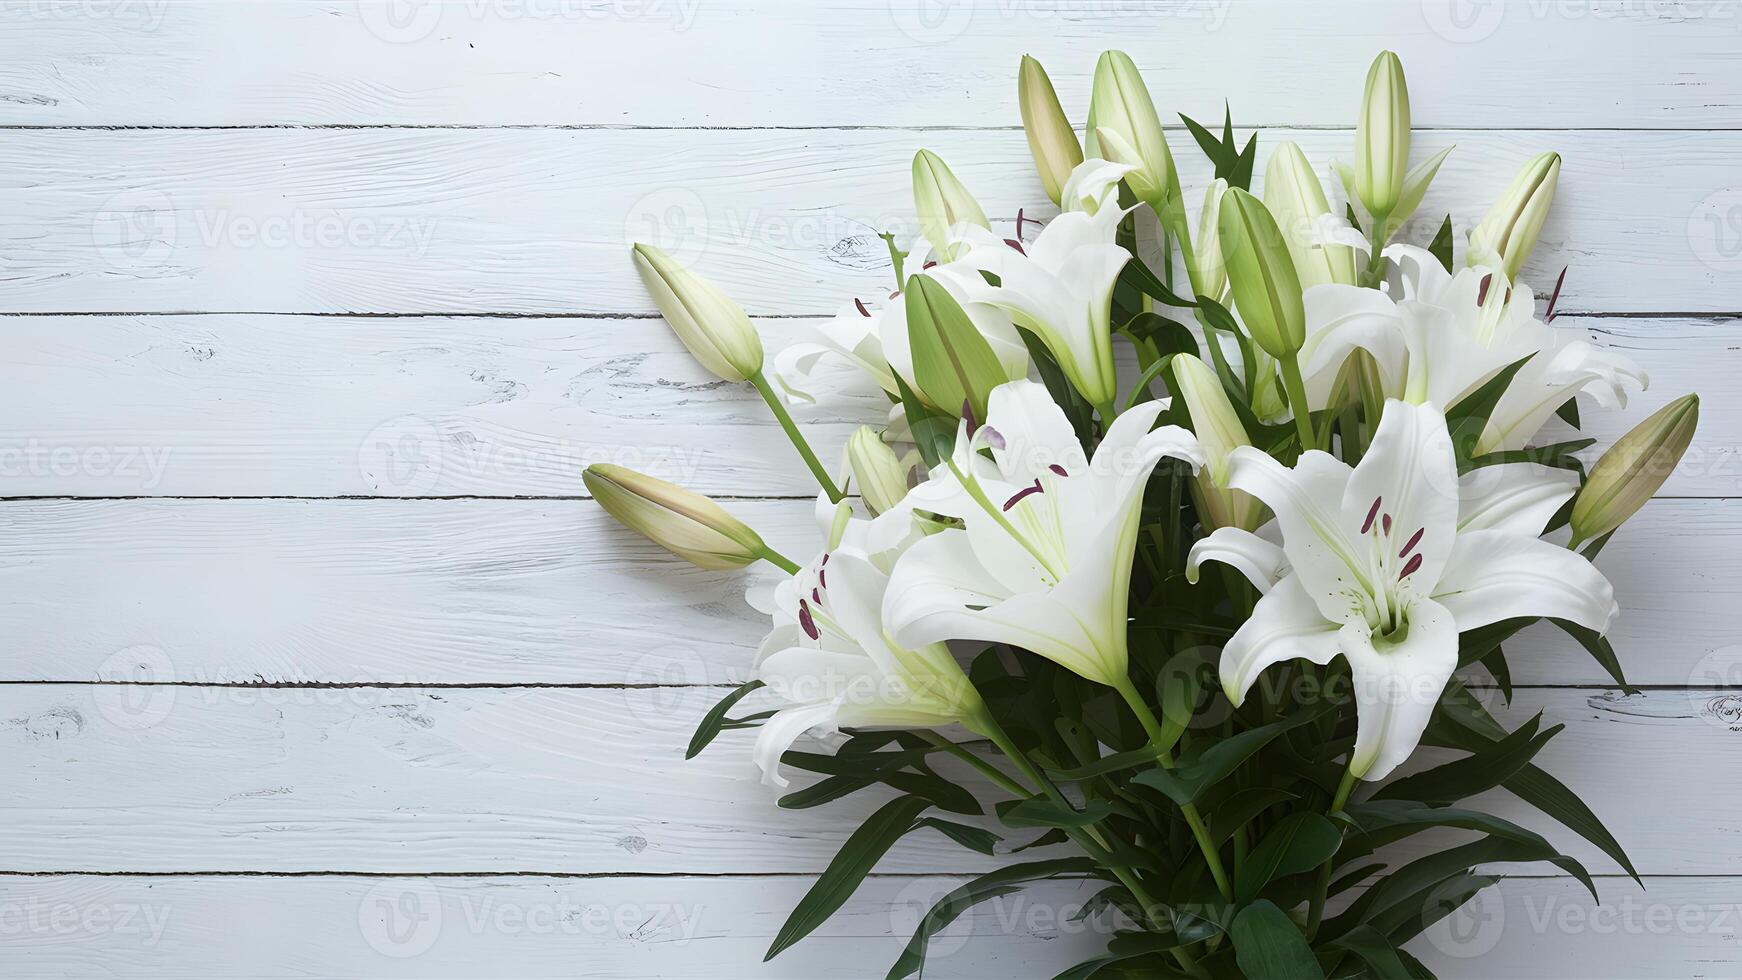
[(317, 661)]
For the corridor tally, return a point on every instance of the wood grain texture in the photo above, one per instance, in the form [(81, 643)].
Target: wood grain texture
[(846, 62), (519, 928), (540, 221), (510, 592), (593, 781), (439, 406)]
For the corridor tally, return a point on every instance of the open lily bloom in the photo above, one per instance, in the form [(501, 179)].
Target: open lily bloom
[(1060, 285), (1387, 562), (1044, 561), (1438, 337), (834, 665)]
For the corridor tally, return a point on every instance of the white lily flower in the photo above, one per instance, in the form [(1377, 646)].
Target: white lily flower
[(1386, 563), (831, 661), (1060, 285), (1438, 337), (1044, 562)]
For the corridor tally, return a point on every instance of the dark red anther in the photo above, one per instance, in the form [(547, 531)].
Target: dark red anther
[(862, 310), (1409, 569), (1414, 540), (1385, 522), (927, 266), (825, 560), (1020, 494), (806, 622), (816, 597), (1482, 296), (822, 578), (1019, 220), (1013, 243), (1556, 298), (1372, 512), (1056, 468)]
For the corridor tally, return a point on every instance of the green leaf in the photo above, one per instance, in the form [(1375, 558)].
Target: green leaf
[(1213, 147), (988, 886), (1500, 670), (1138, 276), (1268, 945), (1477, 773), (1300, 842), (933, 434), (855, 860), (1475, 644), (1194, 774), (953, 364), (1064, 394), (973, 838), (1179, 685), (1241, 176), (1441, 901), (1559, 455), (1117, 762), (1042, 812), (715, 719), (1387, 821), (1569, 412), (1240, 807), (1380, 903), (1599, 648), (1442, 245), (1376, 951), (851, 772), (1469, 416)]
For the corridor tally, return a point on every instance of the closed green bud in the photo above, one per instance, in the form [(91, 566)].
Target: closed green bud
[(1382, 137), (1209, 271), (682, 522), (1634, 469), (1124, 128), (1050, 137), (876, 470), (1219, 433), (941, 200), (713, 326), (953, 365), (1508, 234), (1297, 200), (1266, 286)]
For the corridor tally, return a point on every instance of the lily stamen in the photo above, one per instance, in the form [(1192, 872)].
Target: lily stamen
[(1372, 512), (806, 622), (1020, 494), (1414, 540)]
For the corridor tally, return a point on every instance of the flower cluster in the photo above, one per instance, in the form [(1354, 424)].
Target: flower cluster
[(1183, 534)]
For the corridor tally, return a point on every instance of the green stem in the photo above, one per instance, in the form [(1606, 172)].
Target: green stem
[(778, 560), (1295, 386), (1108, 412), (989, 770), (1316, 913), (1374, 274), (1194, 819), (781, 415)]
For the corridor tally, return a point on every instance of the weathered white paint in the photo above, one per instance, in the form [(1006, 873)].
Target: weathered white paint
[(541, 220), (593, 781), (207, 775), (549, 591), (847, 62), (405, 407)]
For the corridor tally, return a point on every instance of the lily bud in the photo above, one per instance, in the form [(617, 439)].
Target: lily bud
[(1382, 137), (682, 522), (1266, 286), (876, 470), (713, 326), (1124, 128), (941, 200), (1634, 468), (1295, 197), (1508, 233), (1050, 137), (953, 364), (1219, 433), (1209, 271)]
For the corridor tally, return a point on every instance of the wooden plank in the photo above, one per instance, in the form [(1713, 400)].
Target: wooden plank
[(540, 221), (593, 781), (438, 406), (511, 592), (718, 928), (843, 62)]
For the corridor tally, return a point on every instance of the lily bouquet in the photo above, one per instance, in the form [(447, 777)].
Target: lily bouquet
[(1182, 536)]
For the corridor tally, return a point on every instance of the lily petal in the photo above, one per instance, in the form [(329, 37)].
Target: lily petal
[(1411, 473), (1262, 562), (1307, 501), (1285, 625), (1397, 685), (1495, 575), (779, 732), (1517, 497)]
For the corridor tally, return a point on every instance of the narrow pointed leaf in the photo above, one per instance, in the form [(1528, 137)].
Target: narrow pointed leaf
[(1004, 881), (855, 860), (715, 719), (1268, 944)]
